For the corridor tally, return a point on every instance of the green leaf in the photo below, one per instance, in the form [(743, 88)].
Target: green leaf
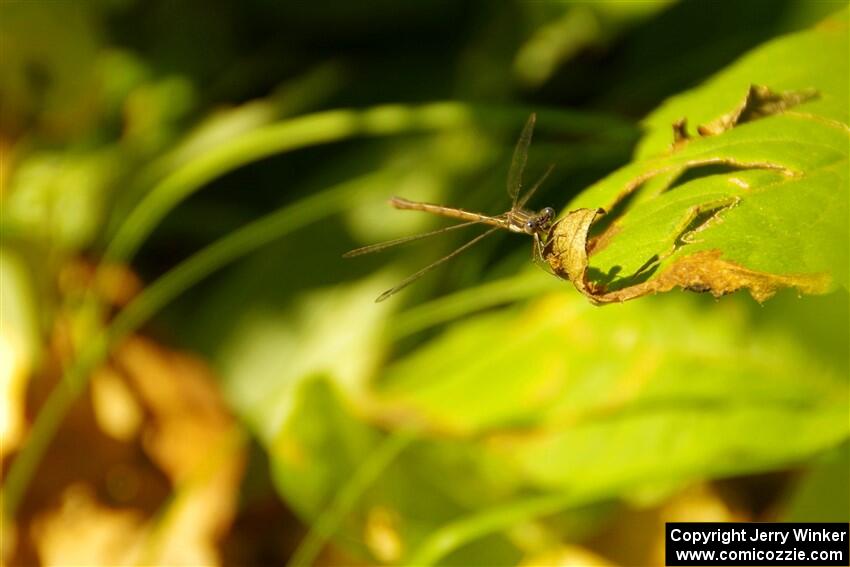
[(762, 205), (268, 352), (582, 405), (562, 363), (379, 494), (823, 492)]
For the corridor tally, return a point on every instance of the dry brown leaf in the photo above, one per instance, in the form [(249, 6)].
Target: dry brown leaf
[(82, 531), (566, 247), (193, 439), (145, 470)]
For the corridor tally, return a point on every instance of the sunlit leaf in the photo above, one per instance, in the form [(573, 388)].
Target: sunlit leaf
[(759, 203), (589, 404)]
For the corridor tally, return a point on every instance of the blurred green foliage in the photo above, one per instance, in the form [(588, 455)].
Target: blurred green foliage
[(490, 412)]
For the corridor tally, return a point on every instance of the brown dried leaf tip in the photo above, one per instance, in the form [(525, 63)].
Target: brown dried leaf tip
[(759, 102), (707, 271)]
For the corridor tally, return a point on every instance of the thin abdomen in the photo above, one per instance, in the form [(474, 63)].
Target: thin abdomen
[(400, 203)]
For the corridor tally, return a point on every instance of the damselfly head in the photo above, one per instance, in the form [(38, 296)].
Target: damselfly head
[(541, 222)]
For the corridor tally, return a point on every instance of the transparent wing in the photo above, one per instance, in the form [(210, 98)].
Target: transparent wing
[(404, 240), (519, 158), (527, 196), (413, 277)]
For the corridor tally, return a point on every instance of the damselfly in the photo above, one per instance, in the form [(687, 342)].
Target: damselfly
[(517, 219)]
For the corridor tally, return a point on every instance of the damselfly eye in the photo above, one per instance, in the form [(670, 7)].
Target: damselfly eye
[(548, 213), (530, 226)]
